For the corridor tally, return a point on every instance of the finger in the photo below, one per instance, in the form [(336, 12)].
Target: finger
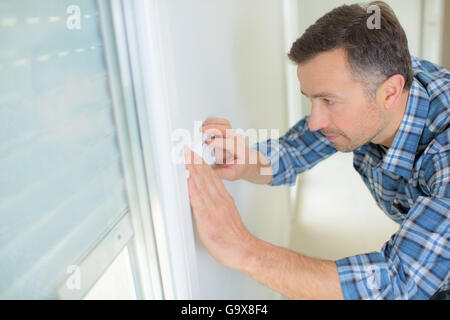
[(225, 172), (197, 203), (200, 176), (229, 149), (219, 121), (214, 131), (204, 185), (214, 125), (223, 149), (229, 144), (211, 181), (222, 191), (195, 197), (217, 130)]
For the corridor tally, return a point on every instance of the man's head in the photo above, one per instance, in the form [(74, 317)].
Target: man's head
[(355, 76)]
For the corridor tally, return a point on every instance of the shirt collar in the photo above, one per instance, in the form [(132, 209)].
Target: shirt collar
[(402, 153)]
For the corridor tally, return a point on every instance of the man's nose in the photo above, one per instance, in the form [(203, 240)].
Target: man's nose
[(319, 118)]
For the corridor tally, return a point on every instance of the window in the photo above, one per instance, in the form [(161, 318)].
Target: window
[(70, 200)]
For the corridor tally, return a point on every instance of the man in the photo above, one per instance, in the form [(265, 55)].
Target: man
[(392, 111)]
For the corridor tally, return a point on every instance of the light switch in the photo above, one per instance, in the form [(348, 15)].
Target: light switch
[(208, 153)]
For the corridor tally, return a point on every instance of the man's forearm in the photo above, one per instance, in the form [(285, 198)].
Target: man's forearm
[(259, 171), (291, 274)]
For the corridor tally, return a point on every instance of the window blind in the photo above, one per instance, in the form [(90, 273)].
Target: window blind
[(61, 182)]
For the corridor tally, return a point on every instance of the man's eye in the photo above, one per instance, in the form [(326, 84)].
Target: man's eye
[(329, 102)]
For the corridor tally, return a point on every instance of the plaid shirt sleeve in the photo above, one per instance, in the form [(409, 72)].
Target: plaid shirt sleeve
[(298, 150), (415, 262)]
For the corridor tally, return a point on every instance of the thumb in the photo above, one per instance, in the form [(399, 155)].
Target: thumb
[(227, 173)]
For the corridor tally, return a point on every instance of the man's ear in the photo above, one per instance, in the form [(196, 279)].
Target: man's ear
[(391, 91)]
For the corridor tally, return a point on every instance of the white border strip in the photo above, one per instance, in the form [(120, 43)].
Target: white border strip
[(155, 91), (143, 253)]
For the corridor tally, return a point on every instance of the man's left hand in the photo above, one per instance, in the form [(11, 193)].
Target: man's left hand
[(218, 222)]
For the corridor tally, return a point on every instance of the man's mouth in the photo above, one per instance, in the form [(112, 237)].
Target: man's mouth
[(332, 138)]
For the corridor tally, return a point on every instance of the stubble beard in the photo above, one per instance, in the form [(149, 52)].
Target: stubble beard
[(354, 144)]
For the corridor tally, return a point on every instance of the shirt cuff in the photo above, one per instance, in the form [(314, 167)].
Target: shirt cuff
[(363, 276), (271, 150)]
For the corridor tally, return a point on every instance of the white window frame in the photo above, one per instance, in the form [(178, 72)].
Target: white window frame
[(133, 228), (142, 228), (151, 73), (162, 250), (137, 166)]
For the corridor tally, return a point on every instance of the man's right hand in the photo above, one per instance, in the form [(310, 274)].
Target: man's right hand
[(234, 159)]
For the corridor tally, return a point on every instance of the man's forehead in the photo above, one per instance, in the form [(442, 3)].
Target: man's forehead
[(326, 63), (327, 73)]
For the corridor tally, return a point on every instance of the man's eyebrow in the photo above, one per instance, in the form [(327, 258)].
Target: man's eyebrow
[(321, 95)]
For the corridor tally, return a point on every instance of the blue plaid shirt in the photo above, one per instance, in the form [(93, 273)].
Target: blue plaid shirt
[(410, 182)]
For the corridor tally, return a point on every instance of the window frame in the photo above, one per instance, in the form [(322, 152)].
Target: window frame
[(142, 248), (136, 226), (152, 71)]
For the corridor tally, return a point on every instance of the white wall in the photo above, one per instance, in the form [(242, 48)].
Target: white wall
[(228, 62)]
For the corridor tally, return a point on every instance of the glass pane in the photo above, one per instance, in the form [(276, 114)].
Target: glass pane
[(61, 182)]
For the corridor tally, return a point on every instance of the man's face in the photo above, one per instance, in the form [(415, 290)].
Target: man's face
[(341, 109)]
